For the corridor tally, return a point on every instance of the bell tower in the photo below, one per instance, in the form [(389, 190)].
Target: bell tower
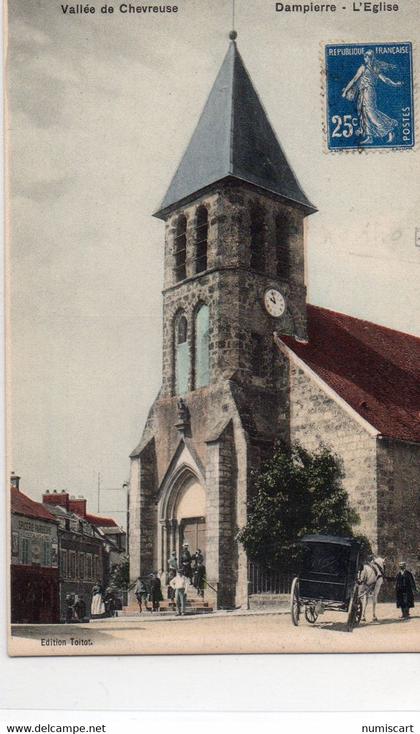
[(234, 273)]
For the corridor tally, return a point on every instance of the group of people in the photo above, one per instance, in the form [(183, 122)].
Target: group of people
[(104, 603), (151, 592), (189, 571), (75, 608)]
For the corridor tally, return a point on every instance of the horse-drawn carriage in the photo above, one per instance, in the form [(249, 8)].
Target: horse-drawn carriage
[(328, 579)]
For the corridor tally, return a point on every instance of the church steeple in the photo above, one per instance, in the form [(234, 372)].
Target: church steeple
[(233, 139)]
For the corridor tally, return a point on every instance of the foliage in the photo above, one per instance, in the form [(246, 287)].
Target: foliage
[(120, 574), (296, 492)]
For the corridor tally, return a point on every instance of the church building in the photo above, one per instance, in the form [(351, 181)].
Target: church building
[(247, 361)]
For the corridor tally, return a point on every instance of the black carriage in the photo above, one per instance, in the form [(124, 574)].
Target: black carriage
[(328, 579)]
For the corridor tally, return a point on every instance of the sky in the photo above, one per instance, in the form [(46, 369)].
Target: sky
[(100, 110)]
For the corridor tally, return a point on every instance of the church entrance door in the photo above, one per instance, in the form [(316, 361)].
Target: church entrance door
[(193, 532)]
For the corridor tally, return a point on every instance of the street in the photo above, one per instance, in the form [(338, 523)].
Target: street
[(221, 632)]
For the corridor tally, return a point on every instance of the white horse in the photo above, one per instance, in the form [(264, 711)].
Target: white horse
[(371, 578)]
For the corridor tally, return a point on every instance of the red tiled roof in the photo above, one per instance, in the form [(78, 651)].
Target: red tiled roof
[(23, 505), (376, 370), (101, 522)]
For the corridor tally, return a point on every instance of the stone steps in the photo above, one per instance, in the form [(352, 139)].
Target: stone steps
[(194, 605)]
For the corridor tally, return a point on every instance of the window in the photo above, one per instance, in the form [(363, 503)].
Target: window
[(257, 354), (257, 237), (202, 229), (202, 365), (26, 550), (81, 565), (180, 249), (63, 563), (89, 566), (182, 355), (46, 556), (283, 246), (15, 543), (72, 564)]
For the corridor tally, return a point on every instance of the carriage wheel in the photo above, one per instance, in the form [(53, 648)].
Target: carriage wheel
[(311, 615), (295, 602), (353, 610)]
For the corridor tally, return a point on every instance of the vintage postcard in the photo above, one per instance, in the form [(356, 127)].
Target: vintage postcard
[(213, 346)]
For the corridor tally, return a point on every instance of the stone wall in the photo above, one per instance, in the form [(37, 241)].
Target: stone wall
[(399, 504), (230, 287), (317, 419), (221, 506), (143, 513), (134, 519)]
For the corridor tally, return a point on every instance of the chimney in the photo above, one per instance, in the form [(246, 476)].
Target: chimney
[(78, 506), (60, 499), (14, 480)]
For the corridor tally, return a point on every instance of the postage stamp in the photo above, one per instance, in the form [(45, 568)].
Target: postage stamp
[(369, 96)]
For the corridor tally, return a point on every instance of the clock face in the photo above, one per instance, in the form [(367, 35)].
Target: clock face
[(274, 302)]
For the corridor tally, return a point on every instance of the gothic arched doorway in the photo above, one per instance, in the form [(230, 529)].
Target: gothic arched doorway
[(183, 516), (190, 513)]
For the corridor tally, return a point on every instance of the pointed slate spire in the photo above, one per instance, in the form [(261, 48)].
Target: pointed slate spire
[(233, 138)]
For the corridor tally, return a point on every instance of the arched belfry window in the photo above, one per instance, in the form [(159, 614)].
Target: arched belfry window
[(257, 216), (283, 246), (202, 230), (182, 355), (202, 362), (180, 248)]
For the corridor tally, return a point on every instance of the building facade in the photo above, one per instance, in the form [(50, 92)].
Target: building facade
[(34, 576), (234, 274), (86, 555)]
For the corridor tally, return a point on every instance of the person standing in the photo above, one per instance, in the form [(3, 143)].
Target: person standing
[(199, 578), (109, 601), (70, 599), (140, 592), (155, 592), (198, 557), (186, 561), (80, 608), (405, 586), (180, 583), (172, 569), (97, 608)]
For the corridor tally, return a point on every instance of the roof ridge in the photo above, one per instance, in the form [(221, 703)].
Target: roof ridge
[(232, 104), (364, 321)]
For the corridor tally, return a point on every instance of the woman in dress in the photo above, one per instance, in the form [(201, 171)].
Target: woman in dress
[(372, 122), (97, 608)]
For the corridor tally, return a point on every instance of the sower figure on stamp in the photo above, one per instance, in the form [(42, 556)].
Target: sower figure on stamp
[(405, 586), (372, 122)]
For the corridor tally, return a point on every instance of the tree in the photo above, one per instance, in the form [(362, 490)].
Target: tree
[(296, 492), (120, 574)]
